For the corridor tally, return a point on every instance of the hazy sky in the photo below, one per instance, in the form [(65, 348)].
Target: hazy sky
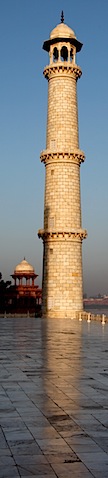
[(24, 25)]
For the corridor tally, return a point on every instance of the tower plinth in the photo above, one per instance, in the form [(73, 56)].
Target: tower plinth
[(62, 234)]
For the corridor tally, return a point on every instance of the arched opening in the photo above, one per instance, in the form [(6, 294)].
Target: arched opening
[(71, 55), (55, 54), (24, 280), (64, 54)]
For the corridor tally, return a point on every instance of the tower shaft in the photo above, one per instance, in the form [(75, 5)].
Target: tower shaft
[(62, 121)]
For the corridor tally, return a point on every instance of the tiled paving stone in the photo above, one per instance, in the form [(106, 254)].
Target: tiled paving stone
[(53, 445), (94, 460), (71, 470), (30, 459), (39, 474), (24, 448), (43, 432), (18, 436), (60, 457), (13, 424), (8, 471), (38, 469), (53, 399), (6, 460), (5, 452)]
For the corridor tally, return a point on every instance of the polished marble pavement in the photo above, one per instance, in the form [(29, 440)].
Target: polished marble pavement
[(53, 398)]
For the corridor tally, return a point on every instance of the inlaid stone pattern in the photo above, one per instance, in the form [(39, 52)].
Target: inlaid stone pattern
[(62, 234)]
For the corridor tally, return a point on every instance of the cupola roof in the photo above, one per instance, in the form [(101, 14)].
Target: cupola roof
[(62, 31), (24, 267)]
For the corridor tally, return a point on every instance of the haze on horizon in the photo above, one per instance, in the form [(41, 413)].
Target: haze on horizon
[(23, 97)]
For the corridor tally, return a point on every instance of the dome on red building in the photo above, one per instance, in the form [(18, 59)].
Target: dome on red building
[(24, 267), (26, 294)]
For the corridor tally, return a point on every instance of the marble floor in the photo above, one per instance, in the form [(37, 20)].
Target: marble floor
[(53, 398)]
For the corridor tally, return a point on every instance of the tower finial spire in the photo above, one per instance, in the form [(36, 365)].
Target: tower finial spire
[(62, 17)]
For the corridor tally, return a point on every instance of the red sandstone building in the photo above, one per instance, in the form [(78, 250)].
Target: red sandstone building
[(24, 295)]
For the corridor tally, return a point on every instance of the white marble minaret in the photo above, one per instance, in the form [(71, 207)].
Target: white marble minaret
[(62, 234)]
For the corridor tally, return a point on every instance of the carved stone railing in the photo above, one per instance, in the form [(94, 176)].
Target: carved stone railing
[(66, 69), (77, 156), (76, 236)]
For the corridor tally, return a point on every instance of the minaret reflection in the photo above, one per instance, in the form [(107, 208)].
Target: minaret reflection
[(61, 366)]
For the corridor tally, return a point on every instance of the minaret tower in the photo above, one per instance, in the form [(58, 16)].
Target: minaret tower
[(62, 234)]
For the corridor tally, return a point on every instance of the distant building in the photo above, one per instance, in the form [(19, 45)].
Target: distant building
[(24, 295)]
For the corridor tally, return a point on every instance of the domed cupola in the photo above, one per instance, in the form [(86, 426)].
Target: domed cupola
[(62, 44), (24, 267), (25, 271)]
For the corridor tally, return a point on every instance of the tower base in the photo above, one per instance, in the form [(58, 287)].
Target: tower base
[(63, 314)]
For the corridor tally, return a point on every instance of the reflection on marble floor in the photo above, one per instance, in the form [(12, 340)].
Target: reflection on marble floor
[(53, 398)]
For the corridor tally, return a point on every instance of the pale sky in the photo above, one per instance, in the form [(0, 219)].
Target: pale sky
[(24, 25)]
